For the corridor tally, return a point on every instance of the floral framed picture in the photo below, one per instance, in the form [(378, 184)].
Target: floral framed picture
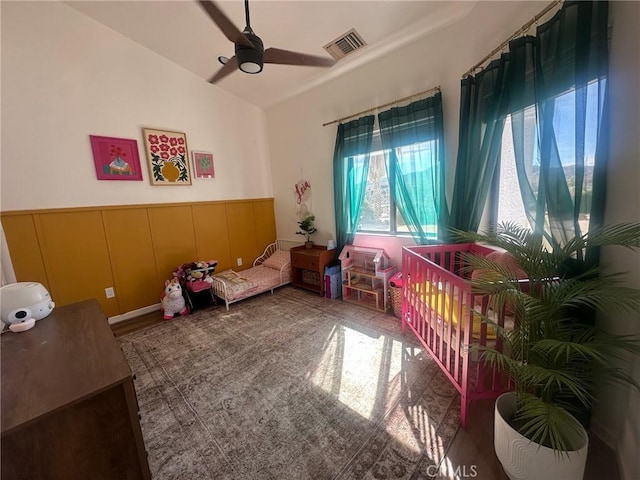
[(203, 164), (167, 156), (116, 158)]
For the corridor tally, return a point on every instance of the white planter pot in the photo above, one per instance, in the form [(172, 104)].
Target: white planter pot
[(523, 459)]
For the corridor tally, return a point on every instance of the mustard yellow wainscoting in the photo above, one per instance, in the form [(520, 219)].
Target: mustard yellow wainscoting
[(265, 223), (242, 234), (212, 239), (76, 257), (78, 252), (137, 283), (173, 237)]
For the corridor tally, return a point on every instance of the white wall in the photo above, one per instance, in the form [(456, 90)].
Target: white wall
[(616, 415), (65, 77), (300, 146)]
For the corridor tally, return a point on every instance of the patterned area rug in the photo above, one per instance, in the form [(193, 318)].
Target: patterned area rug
[(289, 386)]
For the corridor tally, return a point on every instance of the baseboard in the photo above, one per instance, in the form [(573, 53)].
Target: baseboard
[(134, 313)]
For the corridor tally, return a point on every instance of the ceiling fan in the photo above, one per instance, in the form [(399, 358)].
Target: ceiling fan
[(250, 53)]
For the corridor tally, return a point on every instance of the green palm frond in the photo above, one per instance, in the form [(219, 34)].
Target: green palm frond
[(505, 363), (548, 381), (623, 235), (558, 350), (546, 423), (554, 353)]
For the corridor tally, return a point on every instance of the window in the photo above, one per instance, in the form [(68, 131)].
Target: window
[(378, 205), (511, 206), (380, 213), (389, 181)]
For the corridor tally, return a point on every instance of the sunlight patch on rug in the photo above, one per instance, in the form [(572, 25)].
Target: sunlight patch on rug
[(361, 371), (358, 369)]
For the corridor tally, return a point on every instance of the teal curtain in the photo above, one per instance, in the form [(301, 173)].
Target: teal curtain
[(416, 175), (559, 117), (483, 106), (350, 170), (559, 104)]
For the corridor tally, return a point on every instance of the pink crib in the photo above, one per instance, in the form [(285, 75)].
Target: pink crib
[(438, 307)]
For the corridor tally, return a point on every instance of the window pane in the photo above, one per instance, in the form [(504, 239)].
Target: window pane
[(569, 148), (376, 206), (419, 174), (510, 205), (419, 169), (401, 225)]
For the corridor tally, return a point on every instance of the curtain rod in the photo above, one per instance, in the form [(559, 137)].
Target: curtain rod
[(522, 30), (434, 89)]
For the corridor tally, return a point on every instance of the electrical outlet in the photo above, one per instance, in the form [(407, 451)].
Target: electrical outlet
[(109, 292), (239, 261)]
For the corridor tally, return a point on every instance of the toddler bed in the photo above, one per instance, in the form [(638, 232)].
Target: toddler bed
[(270, 270), (440, 309)]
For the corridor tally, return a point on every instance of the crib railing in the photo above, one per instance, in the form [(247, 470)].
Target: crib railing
[(443, 313)]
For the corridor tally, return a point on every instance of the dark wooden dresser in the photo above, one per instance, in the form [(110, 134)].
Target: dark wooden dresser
[(69, 408)]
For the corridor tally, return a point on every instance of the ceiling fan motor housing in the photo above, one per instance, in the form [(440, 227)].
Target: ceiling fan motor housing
[(250, 59)]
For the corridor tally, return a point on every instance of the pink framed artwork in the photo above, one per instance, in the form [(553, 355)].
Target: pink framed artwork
[(116, 158), (203, 164), (167, 156)]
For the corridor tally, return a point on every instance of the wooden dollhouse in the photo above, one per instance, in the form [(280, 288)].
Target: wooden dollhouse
[(365, 276)]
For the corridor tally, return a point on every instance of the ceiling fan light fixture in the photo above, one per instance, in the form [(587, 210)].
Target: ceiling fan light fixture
[(223, 60), (250, 67), (250, 59)]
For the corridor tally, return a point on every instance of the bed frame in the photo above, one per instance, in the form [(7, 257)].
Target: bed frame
[(438, 307), (219, 288)]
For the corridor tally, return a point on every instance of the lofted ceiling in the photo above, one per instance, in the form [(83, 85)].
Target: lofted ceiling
[(181, 32)]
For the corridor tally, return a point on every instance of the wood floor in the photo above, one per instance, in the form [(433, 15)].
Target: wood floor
[(471, 453), (138, 323)]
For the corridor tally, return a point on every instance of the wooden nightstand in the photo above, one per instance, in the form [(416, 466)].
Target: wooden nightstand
[(307, 267)]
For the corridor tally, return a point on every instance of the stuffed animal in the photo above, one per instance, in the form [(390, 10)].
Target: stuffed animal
[(180, 274), (172, 299), (197, 273)]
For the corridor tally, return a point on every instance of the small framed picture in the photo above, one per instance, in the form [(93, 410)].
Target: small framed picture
[(167, 156), (203, 164), (116, 158)]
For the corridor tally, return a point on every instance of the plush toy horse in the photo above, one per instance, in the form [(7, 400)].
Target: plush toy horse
[(172, 300)]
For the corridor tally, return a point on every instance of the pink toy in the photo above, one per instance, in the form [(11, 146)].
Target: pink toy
[(172, 300), (196, 276)]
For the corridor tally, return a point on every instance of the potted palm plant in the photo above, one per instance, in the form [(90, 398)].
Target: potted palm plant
[(554, 352), (307, 228)]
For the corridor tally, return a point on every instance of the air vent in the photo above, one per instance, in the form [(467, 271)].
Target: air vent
[(345, 44)]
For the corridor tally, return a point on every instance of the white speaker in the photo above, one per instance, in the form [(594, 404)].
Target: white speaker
[(22, 303)]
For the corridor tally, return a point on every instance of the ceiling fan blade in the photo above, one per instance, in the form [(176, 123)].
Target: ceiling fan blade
[(222, 21), (228, 68), (286, 57)]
